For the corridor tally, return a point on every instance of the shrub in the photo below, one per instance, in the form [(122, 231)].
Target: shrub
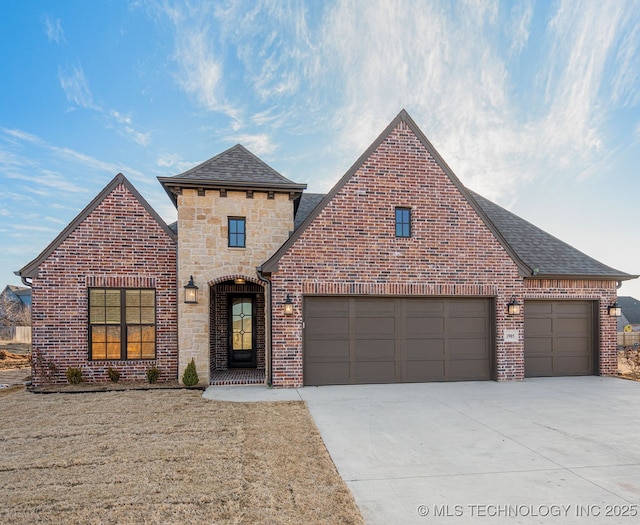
[(74, 375), (190, 376), (113, 374), (631, 358), (153, 374)]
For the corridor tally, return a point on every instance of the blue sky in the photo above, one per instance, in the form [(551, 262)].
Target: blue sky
[(535, 105)]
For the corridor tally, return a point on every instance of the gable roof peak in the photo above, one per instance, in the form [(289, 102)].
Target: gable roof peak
[(235, 167), (31, 269)]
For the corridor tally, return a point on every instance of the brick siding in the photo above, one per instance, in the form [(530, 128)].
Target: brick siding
[(120, 245), (351, 249)]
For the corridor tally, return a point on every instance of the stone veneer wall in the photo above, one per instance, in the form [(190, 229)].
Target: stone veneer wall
[(119, 245), (204, 253)]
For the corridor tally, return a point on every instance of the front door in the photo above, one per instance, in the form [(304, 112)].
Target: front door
[(242, 333)]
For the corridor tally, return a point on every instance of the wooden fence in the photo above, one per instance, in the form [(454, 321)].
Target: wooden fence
[(15, 334), (628, 338)]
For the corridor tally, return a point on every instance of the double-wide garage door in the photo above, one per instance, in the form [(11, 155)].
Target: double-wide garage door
[(352, 340), (559, 338)]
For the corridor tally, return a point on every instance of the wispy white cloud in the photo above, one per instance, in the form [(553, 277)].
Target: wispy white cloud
[(53, 30), (259, 144), (75, 86), (50, 180)]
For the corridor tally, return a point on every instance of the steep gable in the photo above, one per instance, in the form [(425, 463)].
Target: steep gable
[(31, 269), (400, 168)]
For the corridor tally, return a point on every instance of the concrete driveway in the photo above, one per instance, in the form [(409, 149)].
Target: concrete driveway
[(557, 450)]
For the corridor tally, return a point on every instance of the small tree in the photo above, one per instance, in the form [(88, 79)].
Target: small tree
[(190, 376)]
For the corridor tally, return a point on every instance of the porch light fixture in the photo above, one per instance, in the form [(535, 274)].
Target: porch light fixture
[(190, 292), (615, 310), (513, 307), (239, 280), (288, 306)]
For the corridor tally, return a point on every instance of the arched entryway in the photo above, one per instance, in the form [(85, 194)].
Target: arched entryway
[(237, 331)]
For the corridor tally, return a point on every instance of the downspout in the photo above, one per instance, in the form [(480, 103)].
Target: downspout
[(269, 332)]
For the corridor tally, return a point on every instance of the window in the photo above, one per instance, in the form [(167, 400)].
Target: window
[(237, 233), (403, 222), (122, 323)]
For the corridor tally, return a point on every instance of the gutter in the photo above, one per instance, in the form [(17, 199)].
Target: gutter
[(27, 281), (268, 330)]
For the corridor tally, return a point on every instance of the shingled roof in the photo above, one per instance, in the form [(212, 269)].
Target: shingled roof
[(535, 252), (235, 168), (630, 309), (545, 254)]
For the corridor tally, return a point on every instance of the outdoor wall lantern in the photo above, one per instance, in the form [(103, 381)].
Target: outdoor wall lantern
[(288, 306), (513, 307), (615, 310), (239, 280), (190, 292)]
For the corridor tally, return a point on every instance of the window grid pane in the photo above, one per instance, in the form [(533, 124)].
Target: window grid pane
[(237, 233), (403, 222), (108, 319)]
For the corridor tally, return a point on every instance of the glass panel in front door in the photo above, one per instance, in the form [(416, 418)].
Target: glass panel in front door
[(242, 324)]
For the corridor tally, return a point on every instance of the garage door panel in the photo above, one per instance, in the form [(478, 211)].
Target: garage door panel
[(418, 327), (383, 340), (328, 350), (327, 374), (468, 369), (467, 308), (417, 371), (375, 372), (327, 308), (328, 327), (424, 349), (468, 325), (539, 366), (570, 345), (375, 350), (559, 338), (538, 326), (374, 307), (571, 326), (371, 327), (572, 366), (473, 349), (422, 308)]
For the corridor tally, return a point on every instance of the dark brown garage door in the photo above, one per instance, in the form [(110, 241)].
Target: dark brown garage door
[(352, 340), (558, 338)]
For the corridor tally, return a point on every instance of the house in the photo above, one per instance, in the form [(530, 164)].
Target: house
[(15, 314), (15, 303), (630, 314), (399, 274)]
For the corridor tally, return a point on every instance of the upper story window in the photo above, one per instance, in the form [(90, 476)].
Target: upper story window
[(403, 222), (122, 323), (237, 232)]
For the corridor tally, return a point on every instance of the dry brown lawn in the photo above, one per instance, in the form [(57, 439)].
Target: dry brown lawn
[(164, 456)]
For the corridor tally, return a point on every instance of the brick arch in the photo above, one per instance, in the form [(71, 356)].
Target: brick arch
[(220, 289), (232, 277)]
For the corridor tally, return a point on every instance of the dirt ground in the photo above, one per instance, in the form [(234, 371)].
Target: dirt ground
[(14, 355), (164, 456)]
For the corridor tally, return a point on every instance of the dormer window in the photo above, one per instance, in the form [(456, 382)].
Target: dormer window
[(403, 222), (237, 232)]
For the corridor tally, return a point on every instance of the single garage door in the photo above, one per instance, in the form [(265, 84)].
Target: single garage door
[(353, 340), (559, 338)]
